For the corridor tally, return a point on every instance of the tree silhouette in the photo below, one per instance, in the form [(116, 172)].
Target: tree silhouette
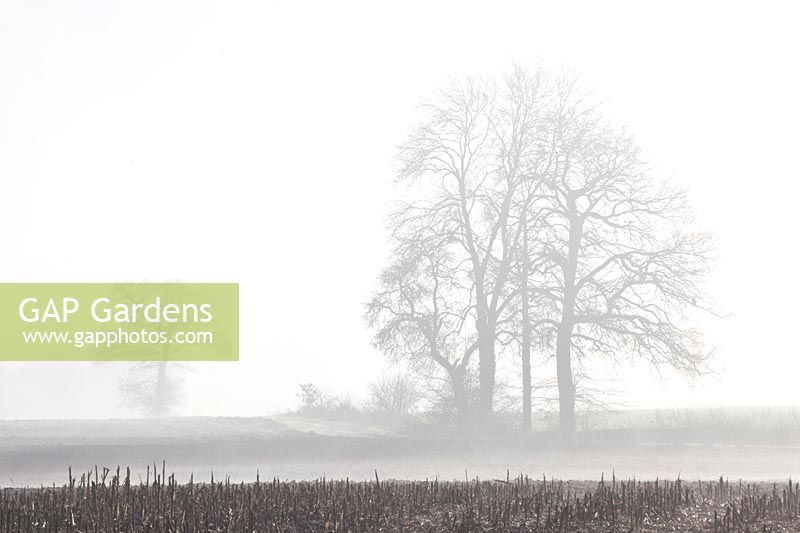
[(530, 221), (623, 267)]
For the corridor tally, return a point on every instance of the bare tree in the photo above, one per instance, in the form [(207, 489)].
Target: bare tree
[(626, 270), (149, 389), (533, 223), (394, 393), (317, 401), (420, 316), (310, 396), (472, 157), (153, 388)]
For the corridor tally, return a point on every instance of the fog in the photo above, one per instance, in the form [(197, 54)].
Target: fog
[(254, 143)]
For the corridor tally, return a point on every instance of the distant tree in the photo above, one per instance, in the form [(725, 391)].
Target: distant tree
[(152, 388), (314, 400), (394, 393), (310, 396), (149, 389)]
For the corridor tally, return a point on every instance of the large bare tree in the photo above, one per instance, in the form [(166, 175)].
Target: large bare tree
[(626, 268), (471, 159), (532, 222)]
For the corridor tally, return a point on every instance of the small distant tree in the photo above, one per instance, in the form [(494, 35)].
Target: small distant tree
[(149, 389), (316, 400), (153, 388), (394, 393), (310, 396)]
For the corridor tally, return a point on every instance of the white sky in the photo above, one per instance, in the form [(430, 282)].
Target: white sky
[(252, 142)]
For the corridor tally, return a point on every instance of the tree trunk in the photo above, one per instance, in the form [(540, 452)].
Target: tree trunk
[(486, 356), (486, 360), (526, 332), (160, 407), (457, 376), (485, 326), (566, 385)]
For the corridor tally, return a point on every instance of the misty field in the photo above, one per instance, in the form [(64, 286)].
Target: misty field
[(110, 501), (300, 473), (754, 445)]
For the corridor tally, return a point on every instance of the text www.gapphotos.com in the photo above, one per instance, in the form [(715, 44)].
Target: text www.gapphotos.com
[(80, 339)]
